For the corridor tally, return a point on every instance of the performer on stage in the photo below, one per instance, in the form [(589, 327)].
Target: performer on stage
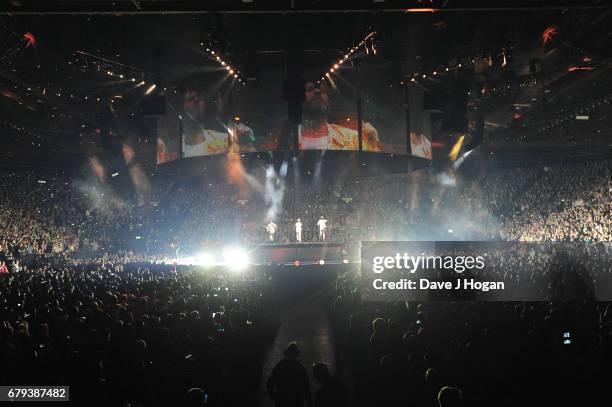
[(271, 229), (322, 224), (298, 231)]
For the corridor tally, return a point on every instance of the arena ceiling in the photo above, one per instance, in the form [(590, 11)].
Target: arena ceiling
[(54, 98)]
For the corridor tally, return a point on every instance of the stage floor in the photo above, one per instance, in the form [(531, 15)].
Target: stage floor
[(302, 253)]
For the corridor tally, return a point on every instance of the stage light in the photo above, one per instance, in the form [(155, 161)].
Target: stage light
[(141, 83), (204, 259), (212, 52), (218, 59), (421, 10), (231, 71), (435, 73), (150, 89), (121, 76), (223, 63), (336, 66), (236, 75), (321, 262), (331, 70), (235, 258), (133, 79), (297, 263)]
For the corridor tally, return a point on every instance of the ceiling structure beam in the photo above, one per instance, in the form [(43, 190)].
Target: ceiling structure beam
[(24, 7)]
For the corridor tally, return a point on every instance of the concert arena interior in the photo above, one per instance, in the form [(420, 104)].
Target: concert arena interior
[(306, 203)]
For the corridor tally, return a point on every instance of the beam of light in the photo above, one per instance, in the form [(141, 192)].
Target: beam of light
[(332, 82), (98, 168), (236, 174), (548, 34), (461, 160), (447, 178), (318, 167), (579, 68), (274, 191), (283, 169), (456, 148), (30, 39), (421, 10), (137, 174), (150, 89)]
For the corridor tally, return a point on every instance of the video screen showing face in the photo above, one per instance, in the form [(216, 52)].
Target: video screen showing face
[(329, 117), (203, 123)]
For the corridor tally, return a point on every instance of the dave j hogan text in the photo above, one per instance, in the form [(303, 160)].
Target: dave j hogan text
[(426, 284)]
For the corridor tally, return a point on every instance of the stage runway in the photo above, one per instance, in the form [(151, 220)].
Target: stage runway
[(308, 325)]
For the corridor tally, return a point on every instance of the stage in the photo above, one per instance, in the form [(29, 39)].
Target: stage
[(303, 253)]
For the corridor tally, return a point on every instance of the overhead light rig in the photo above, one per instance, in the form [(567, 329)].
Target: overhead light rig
[(369, 47), (222, 61)]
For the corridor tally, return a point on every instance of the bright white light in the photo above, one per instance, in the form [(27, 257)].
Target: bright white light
[(345, 261), (204, 259), (236, 259), (321, 262), (151, 88)]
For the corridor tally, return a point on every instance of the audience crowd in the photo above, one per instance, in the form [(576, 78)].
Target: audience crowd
[(569, 201), (134, 333), (84, 300)]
